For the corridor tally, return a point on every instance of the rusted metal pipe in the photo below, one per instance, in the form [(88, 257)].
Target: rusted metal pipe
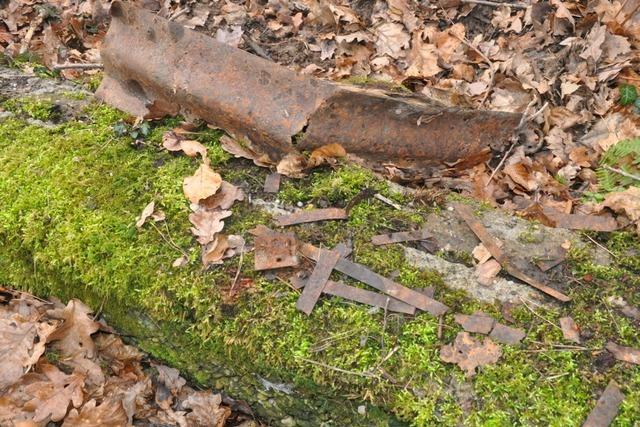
[(154, 67)]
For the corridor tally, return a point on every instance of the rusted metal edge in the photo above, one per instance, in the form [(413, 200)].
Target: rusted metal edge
[(494, 249), (387, 286), (401, 236), (314, 215), (317, 281), (272, 183), (154, 67), (606, 407), (275, 250), (362, 296)]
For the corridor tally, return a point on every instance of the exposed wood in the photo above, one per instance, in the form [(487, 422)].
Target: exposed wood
[(401, 236), (325, 264), (387, 286), (314, 215), (492, 245)]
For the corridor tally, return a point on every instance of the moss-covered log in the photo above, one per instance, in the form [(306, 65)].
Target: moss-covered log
[(69, 197)]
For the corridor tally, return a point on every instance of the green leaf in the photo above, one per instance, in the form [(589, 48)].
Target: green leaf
[(628, 94)]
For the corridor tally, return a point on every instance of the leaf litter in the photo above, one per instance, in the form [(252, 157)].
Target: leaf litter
[(48, 383)]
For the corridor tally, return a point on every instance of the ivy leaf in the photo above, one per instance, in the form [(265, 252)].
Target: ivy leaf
[(628, 94)]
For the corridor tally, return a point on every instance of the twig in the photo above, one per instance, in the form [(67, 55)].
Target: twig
[(539, 316), (69, 66), (257, 49), (387, 201), (24, 47), (523, 120), (235, 279), (623, 173), (487, 60), (334, 368), (601, 246), (384, 323), (173, 245), (178, 14), (440, 326), (495, 4)]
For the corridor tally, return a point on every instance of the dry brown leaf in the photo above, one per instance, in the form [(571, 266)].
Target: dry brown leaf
[(206, 409), (109, 413), (625, 354), (73, 337), (51, 394), (609, 130), (292, 165), (326, 154), (224, 246), (224, 198), (174, 142), (181, 261), (207, 223), (149, 211), (231, 36), (423, 59), (244, 150), (204, 183), (391, 39), (570, 330), (469, 353), (627, 201)]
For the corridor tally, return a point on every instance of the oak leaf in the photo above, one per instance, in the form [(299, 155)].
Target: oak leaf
[(204, 183)]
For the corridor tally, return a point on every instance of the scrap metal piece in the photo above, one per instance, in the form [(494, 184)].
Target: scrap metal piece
[(363, 296), (313, 215), (389, 287), (154, 67), (480, 323), (506, 335), (605, 223), (606, 407), (272, 183), (325, 264), (570, 330), (275, 250), (492, 245), (401, 236), (624, 354)]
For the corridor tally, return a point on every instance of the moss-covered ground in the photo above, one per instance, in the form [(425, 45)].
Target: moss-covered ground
[(69, 198)]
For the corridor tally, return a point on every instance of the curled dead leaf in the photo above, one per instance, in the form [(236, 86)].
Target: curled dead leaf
[(174, 142), (326, 154), (207, 223)]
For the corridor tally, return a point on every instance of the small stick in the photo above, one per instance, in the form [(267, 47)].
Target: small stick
[(494, 4), (440, 325), (235, 279), (601, 246), (539, 316), (623, 173), (69, 66), (178, 14), (387, 201), (257, 49)]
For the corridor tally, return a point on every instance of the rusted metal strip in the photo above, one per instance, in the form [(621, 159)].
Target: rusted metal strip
[(401, 236), (363, 296), (317, 281), (154, 67), (581, 222), (625, 354), (494, 248), (275, 250), (272, 183), (389, 287), (314, 215), (606, 407)]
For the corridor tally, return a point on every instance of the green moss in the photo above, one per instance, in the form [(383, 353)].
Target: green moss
[(69, 199), (35, 108), (376, 83)]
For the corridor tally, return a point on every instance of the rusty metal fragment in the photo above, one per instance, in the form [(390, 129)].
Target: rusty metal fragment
[(506, 334), (272, 183), (363, 296), (275, 250), (603, 223), (387, 286), (570, 330), (154, 67), (401, 236), (493, 246), (317, 281), (314, 215), (606, 407), (480, 323), (624, 354)]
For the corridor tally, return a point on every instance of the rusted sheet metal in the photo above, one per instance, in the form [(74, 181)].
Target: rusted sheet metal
[(401, 236), (606, 407), (480, 323), (604, 223), (492, 245), (625, 354), (155, 67), (313, 215), (389, 287), (275, 250), (506, 334), (363, 296), (272, 183), (317, 281)]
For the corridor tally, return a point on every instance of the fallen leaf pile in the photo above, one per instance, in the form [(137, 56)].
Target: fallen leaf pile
[(561, 63), (59, 365)]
